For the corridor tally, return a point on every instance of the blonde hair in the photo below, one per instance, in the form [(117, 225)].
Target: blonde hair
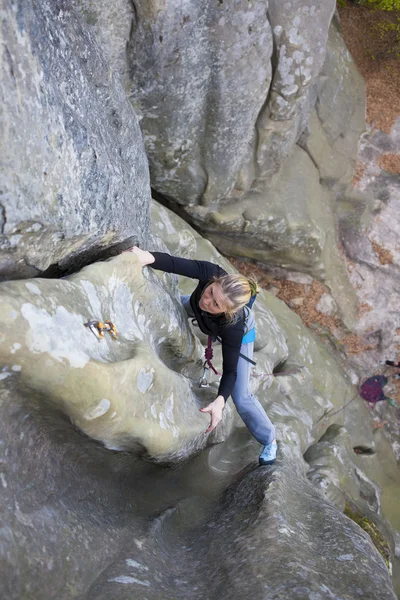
[(237, 290)]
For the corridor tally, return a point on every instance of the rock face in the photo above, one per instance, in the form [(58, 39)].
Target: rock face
[(74, 173), (167, 526), (84, 514), (334, 469), (373, 259), (55, 355), (373, 250), (251, 119), (209, 127), (290, 219), (47, 348)]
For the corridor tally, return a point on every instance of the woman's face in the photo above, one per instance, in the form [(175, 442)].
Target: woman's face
[(213, 300)]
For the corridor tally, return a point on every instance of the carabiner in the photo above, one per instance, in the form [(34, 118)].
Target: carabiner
[(203, 383)]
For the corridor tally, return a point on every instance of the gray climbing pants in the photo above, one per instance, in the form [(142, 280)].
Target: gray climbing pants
[(247, 405)]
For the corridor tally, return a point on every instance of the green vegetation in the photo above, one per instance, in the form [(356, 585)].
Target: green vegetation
[(382, 4), (377, 4), (376, 536), (388, 25)]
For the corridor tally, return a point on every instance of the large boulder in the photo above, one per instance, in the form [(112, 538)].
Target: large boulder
[(75, 177), (111, 524), (118, 391), (272, 536), (84, 514), (228, 96), (254, 139), (373, 257)]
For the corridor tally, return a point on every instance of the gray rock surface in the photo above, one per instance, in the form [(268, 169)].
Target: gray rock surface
[(235, 89), (109, 524), (334, 469), (373, 252), (54, 355), (84, 514), (74, 175), (373, 263), (210, 74), (92, 525), (268, 519), (300, 53)]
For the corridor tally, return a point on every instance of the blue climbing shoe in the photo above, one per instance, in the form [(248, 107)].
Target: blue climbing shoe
[(268, 455)]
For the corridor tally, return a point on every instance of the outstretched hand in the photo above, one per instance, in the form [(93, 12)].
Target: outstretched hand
[(215, 410), (145, 258)]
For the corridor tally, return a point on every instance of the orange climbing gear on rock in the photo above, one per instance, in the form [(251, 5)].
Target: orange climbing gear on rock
[(98, 328)]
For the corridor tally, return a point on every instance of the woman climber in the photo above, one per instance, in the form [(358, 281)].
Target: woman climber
[(218, 304)]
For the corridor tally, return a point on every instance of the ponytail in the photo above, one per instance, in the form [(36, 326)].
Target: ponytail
[(238, 291)]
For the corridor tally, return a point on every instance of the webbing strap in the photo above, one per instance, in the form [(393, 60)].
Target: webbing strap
[(208, 354), (240, 354)]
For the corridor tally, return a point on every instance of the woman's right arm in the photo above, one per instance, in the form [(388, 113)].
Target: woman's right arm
[(145, 258), (195, 269)]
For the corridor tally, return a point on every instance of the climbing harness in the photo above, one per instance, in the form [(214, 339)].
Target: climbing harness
[(208, 355), (248, 338), (208, 365), (98, 328)]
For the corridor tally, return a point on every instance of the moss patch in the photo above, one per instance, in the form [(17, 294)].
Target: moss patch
[(376, 536)]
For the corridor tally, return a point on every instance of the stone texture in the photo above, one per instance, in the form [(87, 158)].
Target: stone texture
[(373, 256), (221, 121), (85, 516), (300, 53), (340, 108), (266, 520), (251, 81), (166, 526), (228, 156), (213, 62), (326, 305), (80, 184), (333, 468), (238, 117), (373, 250), (50, 351)]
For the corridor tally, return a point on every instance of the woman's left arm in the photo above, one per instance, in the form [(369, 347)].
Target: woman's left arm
[(231, 340), (215, 409), (231, 344)]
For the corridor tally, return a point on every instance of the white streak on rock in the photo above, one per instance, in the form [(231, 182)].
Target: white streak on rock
[(135, 565), (91, 293), (33, 288), (144, 380), (127, 579), (163, 421), (54, 334), (98, 411)]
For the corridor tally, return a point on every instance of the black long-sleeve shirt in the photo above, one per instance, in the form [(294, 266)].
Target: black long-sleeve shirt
[(231, 334)]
